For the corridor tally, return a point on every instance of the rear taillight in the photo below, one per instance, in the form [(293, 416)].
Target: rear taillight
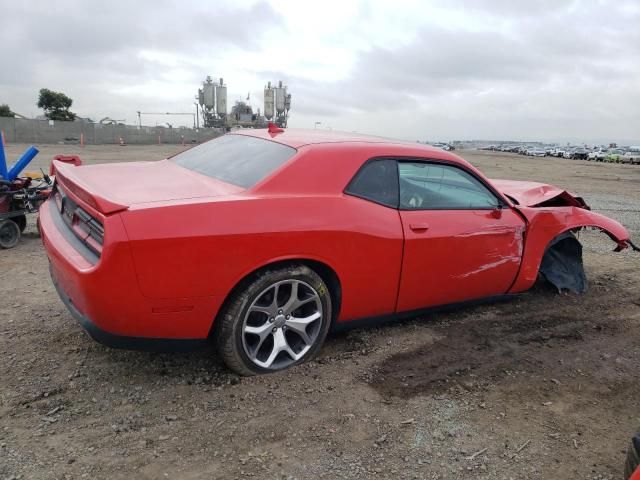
[(90, 229), (87, 228)]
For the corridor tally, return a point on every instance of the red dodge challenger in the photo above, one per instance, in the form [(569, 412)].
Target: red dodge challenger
[(263, 240)]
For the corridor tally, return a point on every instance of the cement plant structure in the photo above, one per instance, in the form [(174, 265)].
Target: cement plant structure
[(212, 107)]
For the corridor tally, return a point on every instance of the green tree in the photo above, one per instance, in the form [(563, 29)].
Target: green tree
[(5, 111), (56, 105)]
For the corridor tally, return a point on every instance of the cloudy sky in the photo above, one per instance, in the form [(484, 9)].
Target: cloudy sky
[(440, 70)]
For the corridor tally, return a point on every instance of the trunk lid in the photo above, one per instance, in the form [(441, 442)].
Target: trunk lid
[(117, 186)]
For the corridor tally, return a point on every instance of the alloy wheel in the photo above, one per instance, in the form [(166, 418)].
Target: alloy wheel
[(282, 324)]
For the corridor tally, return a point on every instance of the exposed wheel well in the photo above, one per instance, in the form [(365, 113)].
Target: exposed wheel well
[(328, 275), (561, 264)]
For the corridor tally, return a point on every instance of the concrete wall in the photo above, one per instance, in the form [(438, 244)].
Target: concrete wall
[(17, 130)]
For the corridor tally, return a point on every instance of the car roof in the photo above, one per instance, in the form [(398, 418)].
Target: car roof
[(298, 137), (345, 151)]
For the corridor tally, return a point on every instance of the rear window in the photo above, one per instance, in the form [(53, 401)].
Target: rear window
[(237, 159)]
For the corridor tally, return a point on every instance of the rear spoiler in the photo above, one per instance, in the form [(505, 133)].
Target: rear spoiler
[(66, 176)]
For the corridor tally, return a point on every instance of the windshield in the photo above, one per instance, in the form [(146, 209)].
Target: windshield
[(237, 159)]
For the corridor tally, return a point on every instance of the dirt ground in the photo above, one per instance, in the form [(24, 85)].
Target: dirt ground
[(541, 386)]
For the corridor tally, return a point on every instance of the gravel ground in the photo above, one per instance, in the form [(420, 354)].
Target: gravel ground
[(541, 386)]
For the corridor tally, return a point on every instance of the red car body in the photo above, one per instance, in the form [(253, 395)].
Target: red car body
[(168, 245)]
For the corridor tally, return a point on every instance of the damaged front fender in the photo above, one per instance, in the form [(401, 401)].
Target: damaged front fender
[(547, 224)]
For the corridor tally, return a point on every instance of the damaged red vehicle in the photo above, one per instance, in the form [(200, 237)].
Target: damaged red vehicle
[(264, 240)]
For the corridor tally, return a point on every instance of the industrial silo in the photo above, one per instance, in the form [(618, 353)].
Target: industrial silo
[(209, 94), (269, 101), (281, 93), (221, 98)]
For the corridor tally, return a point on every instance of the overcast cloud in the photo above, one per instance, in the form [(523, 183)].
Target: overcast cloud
[(441, 70)]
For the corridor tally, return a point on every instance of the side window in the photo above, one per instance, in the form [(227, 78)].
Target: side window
[(431, 186), (377, 181)]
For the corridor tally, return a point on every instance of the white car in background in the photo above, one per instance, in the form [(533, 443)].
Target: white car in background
[(538, 152), (443, 146), (631, 157), (597, 155)]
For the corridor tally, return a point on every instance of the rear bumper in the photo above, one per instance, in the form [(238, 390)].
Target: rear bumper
[(122, 341), (103, 292)]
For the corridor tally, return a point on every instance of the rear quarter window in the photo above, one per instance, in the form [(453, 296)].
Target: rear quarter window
[(376, 181), (237, 159)]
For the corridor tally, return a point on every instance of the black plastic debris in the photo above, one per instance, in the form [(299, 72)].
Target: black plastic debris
[(562, 264)]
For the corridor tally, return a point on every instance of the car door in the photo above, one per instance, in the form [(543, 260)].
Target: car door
[(462, 241)]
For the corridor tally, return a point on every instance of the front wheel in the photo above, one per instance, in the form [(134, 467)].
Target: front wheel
[(633, 458), (278, 319)]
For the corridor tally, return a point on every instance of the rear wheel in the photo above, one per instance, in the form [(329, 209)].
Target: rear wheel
[(277, 320), (9, 234)]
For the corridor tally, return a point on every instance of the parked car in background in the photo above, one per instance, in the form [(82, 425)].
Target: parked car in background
[(538, 152), (444, 146), (614, 155), (596, 155), (631, 157), (580, 154), (263, 240)]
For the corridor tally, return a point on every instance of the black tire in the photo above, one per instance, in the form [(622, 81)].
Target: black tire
[(633, 459), (228, 330), (9, 234), (21, 220)]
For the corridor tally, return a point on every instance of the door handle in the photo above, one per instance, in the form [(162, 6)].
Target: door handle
[(419, 227)]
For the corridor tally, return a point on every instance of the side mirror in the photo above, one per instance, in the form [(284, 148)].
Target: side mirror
[(497, 211)]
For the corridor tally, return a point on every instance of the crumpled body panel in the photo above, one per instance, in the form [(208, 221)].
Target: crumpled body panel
[(562, 264), (545, 224), (534, 194)]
